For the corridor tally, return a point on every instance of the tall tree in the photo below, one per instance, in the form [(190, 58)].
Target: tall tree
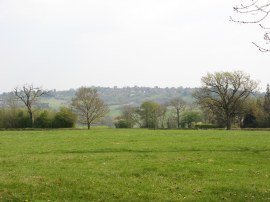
[(225, 92), (29, 94), (179, 106), (255, 12), (88, 106)]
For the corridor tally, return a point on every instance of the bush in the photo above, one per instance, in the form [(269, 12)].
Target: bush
[(122, 124), (43, 120), (22, 120), (64, 119)]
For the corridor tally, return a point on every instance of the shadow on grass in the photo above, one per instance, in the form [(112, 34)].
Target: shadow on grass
[(153, 151)]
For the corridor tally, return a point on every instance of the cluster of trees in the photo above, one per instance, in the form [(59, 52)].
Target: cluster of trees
[(257, 112), (150, 114), (225, 99), (19, 110), (228, 98)]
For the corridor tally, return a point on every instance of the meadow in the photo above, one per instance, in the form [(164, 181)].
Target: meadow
[(134, 165)]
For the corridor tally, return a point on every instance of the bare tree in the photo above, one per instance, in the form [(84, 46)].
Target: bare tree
[(224, 93), (89, 106), (179, 106), (256, 12), (29, 94)]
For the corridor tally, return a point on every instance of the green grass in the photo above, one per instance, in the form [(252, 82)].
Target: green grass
[(134, 165)]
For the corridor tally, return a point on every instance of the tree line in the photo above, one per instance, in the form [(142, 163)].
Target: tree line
[(225, 100), (18, 109)]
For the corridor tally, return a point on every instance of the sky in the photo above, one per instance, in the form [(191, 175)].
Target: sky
[(63, 44)]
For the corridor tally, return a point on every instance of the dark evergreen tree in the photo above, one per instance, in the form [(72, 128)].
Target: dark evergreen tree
[(266, 106)]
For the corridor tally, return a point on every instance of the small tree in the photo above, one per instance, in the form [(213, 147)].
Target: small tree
[(224, 93), (88, 106), (190, 117), (29, 94), (179, 106), (150, 113)]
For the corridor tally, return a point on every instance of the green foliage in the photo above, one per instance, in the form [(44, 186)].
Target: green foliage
[(149, 114), (14, 119), (254, 116), (134, 165), (46, 119), (250, 121), (22, 120), (43, 120), (64, 119), (122, 124), (224, 93), (190, 117)]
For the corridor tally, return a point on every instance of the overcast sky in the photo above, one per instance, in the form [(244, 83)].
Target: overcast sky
[(62, 44)]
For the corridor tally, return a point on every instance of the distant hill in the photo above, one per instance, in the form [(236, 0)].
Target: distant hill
[(122, 96), (116, 97)]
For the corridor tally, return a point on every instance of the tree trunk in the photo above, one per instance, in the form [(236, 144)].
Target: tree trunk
[(31, 118), (228, 123), (178, 119), (88, 125)]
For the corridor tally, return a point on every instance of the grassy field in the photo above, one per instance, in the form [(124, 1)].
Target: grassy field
[(134, 165)]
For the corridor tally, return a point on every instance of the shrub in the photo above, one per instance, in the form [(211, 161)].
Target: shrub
[(122, 124), (22, 120), (43, 120), (64, 119)]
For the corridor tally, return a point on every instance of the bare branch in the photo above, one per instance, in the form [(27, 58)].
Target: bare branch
[(29, 94), (260, 11)]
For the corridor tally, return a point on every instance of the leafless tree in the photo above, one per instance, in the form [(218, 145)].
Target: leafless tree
[(256, 12), (224, 93), (89, 106), (179, 106), (29, 94)]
